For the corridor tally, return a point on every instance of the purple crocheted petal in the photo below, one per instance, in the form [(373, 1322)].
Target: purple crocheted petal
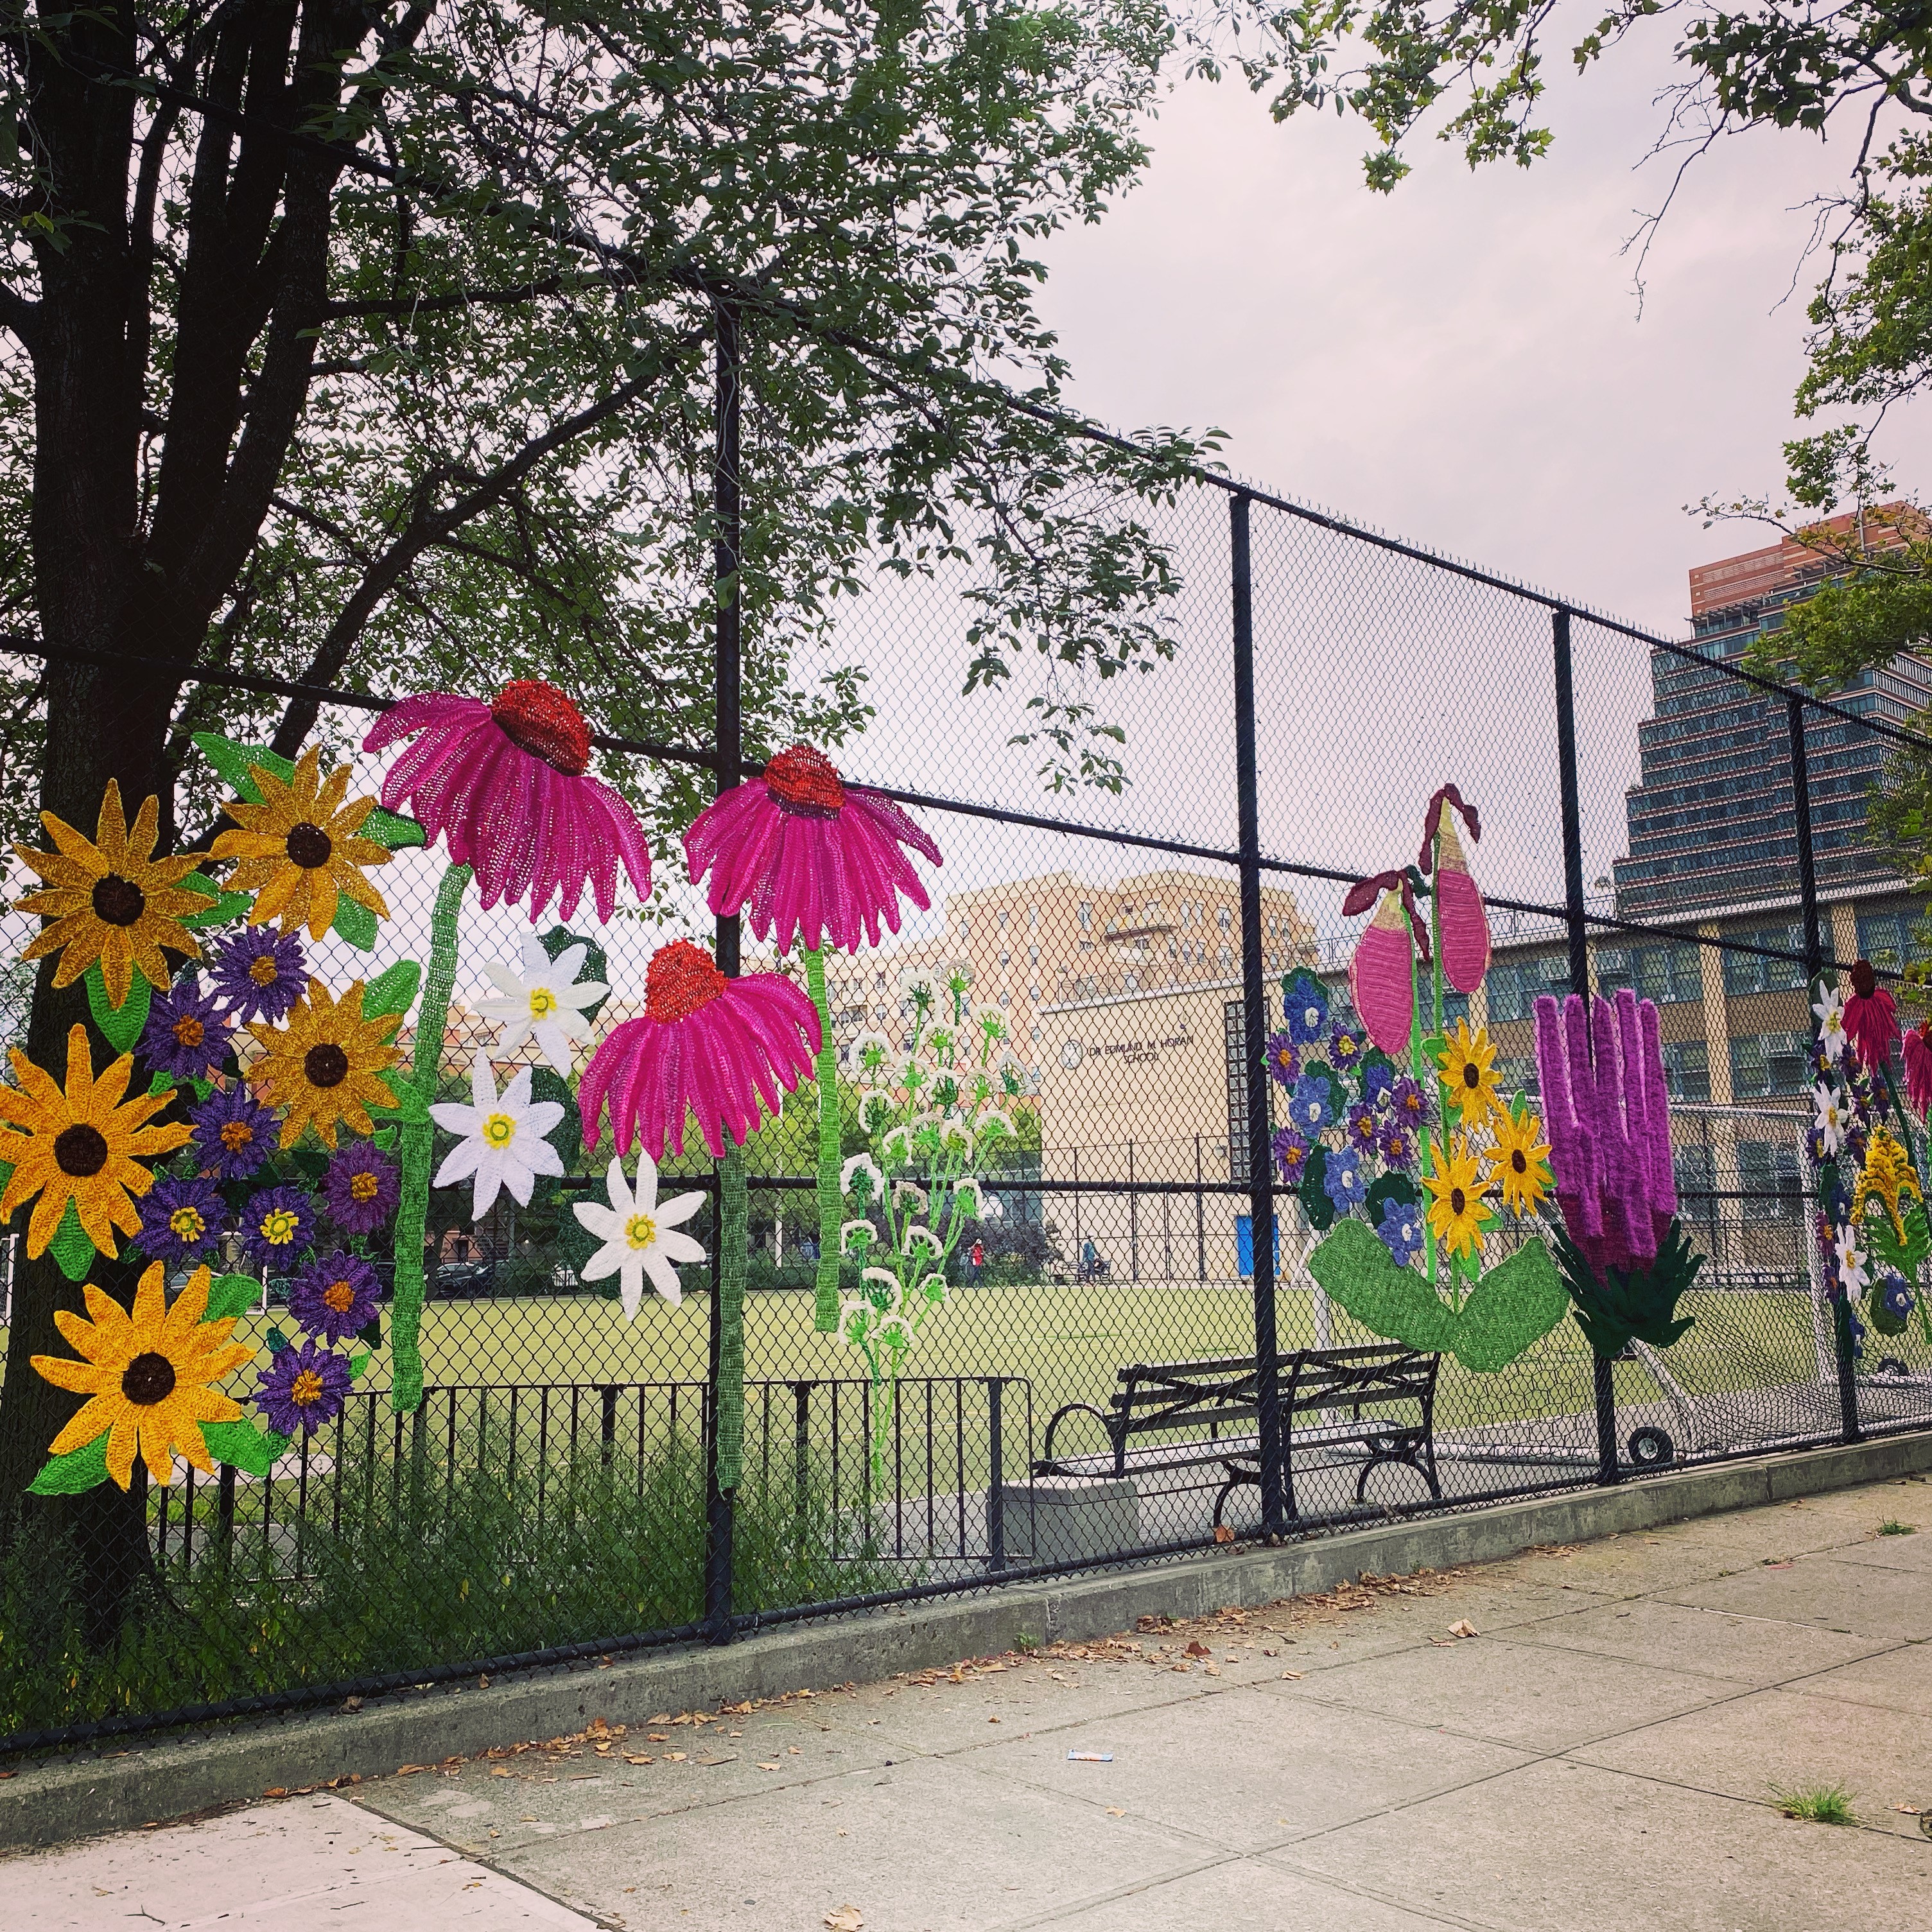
[(1663, 1167), (417, 712), (1584, 1097), (1559, 1118), (601, 1077), (894, 820)]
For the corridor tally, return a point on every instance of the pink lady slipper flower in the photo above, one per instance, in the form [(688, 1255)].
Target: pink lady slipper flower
[(1918, 1069), (1381, 976), (1466, 924), (807, 855), (1871, 1018), (706, 1045), (508, 783)]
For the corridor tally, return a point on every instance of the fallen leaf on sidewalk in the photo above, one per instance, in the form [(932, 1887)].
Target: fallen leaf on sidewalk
[(1115, 1811), (634, 1759), (1293, 1676), (410, 1770), (1222, 1534), (773, 1765), (845, 1919), (1198, 1648), (1910, 1811), (1463, 1628)]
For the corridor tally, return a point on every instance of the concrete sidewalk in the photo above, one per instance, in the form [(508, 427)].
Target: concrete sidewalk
[(1600, 1754)]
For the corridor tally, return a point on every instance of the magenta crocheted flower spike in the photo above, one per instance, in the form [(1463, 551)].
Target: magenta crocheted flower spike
[(706, 1045), (508, 784), (807, 855)]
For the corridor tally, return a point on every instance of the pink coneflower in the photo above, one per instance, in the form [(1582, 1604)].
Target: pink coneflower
[(707, 1046), (1871, 1018), (508, 784), (1918, 1070), (809, 854)]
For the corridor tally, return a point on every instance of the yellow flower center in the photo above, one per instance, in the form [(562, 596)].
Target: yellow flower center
[(640, 1230), (362, 1186), (261, 970), (187, 1224), (499, 1129), (235, 1135), (339, 1297), (543, 1003), (189, 1030), (306, 1388), (279, 1226)]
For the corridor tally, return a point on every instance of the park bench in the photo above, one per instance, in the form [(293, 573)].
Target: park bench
[(1378, 1399)]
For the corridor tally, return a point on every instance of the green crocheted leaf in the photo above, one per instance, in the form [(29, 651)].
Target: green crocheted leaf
[(232, 1295), (596, 968), (1516, 1304), (242, 1446), (393, 991), (567, 1136), (225, 905), (121, 1024), (1905, 1256), (231, 762), (68, 1475), (1359, 1272), (1314, 1192), (72, 1247), (355, 922)]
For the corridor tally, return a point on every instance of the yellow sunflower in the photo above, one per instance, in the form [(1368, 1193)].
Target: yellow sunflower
[(151, 1376), (298, 848), (109, 898), (1519, 1161), (1886, 1176), (82, 1145), (323, 1063), (1457, 1189), (1467, 1066)]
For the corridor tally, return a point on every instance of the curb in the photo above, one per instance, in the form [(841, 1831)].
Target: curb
[(60, 1799)]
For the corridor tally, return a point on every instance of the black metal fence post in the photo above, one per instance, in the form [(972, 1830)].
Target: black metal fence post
[(996, 1474), (1604, 1389), (1814, 964), (1254, 1018), (727, 695)]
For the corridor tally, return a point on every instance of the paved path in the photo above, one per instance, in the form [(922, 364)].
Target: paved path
[(1597, 1758)]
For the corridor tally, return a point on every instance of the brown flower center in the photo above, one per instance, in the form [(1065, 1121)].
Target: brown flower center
[(537, 718), (148, 1379), (80, 1151), (1472, 1074), (1517, 1162), (263, 970), (805, 781), (309, 846), (1864, 981), (1458, 1200), (189, 1031), (118, 902), (326, 1065), (339, 1296), (681, 978)]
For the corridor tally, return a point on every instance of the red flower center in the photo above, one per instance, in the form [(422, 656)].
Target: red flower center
[(804, 781), (681, 978), (1864, 981), (537, 717)]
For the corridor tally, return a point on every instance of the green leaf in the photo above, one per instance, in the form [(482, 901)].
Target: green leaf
[(358, 1365), (242, 1446), (1904, 1256), (392, 830), (1359, 1273), (227, 905), (1314, 1192), (1513, 1306), (393, 991), (354, 923), (596, 966), (121, 1024), (162, 1083), (232, 1294), (277, 1340), (567, 1136), (1393, 1185), (68, 1475), (72, 1247), (231, 762), (385, 1137)]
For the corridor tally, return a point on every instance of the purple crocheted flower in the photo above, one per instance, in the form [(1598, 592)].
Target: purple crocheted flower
[(334, 1296), (1284, 1059), (235, 1132), (278, 1224), (185, 1034), (1365, 1127), (1396, 1145), (1408, 1102), (1346, 1047), (303, 1387), (182, 1220), (260, 973), (1377, 1081), (1290, 1156), (360, 1191)]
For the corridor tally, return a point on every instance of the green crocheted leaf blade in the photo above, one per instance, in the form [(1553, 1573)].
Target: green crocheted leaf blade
[(1516, 1304), (232, 762), (393, 991), (122, 1024), (232, 1295), (68, 1475), (1359, 1273), (72, 1247), (242, 1446), (225, 905)]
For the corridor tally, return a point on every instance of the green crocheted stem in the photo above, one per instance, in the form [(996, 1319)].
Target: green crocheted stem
[(730, 1393), (831, 1199), (417, 1143)]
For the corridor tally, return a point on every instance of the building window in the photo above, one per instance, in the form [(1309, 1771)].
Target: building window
[(1668, 974), (1885, 938), (1070, 1053), (1130, 982), (1687, 1069), (1033, 918), (1003, 922), (1086, 916), (1224, 919), (965, 927), (1033, 955), (1033, 993), (1695, 1174), (1749, 972), (1770, 1170), (1767, 1063), (1227, 959), (1515, 985)]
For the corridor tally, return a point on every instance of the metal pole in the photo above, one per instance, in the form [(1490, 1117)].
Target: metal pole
[(1814, 966), (1200, 1217), (727, 694), (1254, 1021), (996, 1476), (1603, 1383), (1133, 1220)]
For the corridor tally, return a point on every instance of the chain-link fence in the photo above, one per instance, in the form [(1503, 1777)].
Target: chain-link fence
[(1127, 1358)]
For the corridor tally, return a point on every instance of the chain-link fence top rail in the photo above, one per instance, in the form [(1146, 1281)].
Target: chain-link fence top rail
[(1106, 928)]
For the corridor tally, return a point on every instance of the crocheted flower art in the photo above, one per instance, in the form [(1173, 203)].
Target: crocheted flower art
[(1457, 1196), (540, 999), (84, 1143), (181, 1221), (501, 1142), (807, 857), (324, 1066), (149, 1375), (234, 1133), (108, 898), (507, 784), (185, 1035), (333, 1296), (277, 1225), (361, 1188), (1871, 1018), (640, 1234), (706, 1045), (1519, 1161), (298, 850), (258, 975), (303, 1387)]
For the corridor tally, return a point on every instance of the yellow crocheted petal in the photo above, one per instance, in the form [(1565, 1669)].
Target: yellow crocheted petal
[(139, 842), (122, 1441), (61, 897), (79, 1071), (146, 954), (147, 1141), (117, 965), (159, 1440), (77, 954), (329, 799), (277, 894), (39, 1089), (76, 846), (151, 1307), (96, 1208), (44, 1222), (110, 1088), (111, 828), (349, 822), (323, 896), (91, 1419), (82, 1377), (359, 890), (210, 1405)]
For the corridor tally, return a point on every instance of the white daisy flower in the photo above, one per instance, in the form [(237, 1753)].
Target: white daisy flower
[(502, 1143), (640, 1234), (896, 1333), (1832, 1117), (855, 1320), (1852, 1273), (542, 1000), (1830, 1011), (858, 1166), (888, 1284)]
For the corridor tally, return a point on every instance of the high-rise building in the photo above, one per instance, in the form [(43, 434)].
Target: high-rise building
[(1711, 824)]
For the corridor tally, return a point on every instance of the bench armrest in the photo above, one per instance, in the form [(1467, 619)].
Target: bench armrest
[(1053, 1423)]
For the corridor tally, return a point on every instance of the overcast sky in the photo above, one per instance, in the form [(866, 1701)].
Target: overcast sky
[(1463, 363)]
